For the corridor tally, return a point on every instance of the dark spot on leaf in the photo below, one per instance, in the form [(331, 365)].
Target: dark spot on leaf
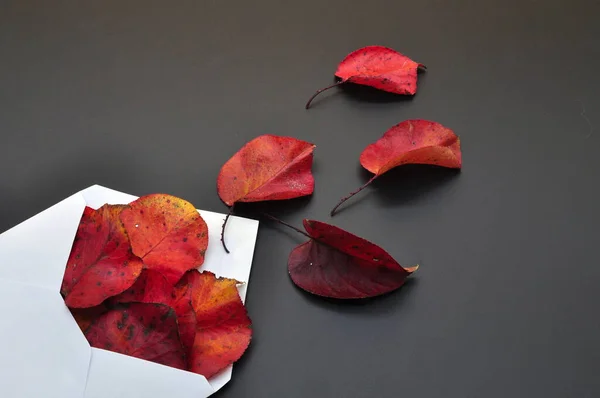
[(130, 332)]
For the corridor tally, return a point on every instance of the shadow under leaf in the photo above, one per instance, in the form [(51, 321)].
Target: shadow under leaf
[(374, 306), (403, 184)]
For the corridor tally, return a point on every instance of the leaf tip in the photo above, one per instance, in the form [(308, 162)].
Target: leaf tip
[(410, 270)]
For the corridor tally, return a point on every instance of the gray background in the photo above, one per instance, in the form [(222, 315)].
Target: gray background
[(154, 96)]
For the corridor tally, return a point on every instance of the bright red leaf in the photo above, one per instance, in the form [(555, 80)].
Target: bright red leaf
[(150, 287), (167, 233), (379, 67), (223, 329), (101, 263), (181, 302), (141, 330), (153, 287), (338, 264), (410, 142), (267, 168)]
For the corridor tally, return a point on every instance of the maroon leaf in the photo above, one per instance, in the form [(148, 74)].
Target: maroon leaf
[(153, 287), (338, 264), (141, 330)]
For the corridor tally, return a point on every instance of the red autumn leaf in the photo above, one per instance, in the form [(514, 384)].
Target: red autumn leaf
[(167, 233), (335, 263), (141, 330), (85, 316), (181, 302), (267, 168), (379, 67), (101, 263), (410, 142), (223, 329), (150, 287), (153, 287)]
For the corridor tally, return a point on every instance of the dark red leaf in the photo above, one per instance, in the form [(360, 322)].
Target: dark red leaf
[(267, 168), (85, 316), (141, 330), (338, 264), (410, 142), (223, 329), (167, 233), (153, 287), (101, 263), (378, 67)]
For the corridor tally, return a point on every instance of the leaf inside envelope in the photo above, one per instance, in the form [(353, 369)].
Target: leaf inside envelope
[(153, 287), (101, 263), (167, 233), (141, 330), (223, 329)]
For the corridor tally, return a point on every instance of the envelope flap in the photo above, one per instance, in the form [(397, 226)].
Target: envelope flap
[(120, 376), (44, 354), (36, 251)]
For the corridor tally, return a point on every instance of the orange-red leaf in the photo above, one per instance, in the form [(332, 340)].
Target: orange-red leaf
[(153, 287), (101, 263), (150, 287), (379, 67), (414, 142), (267, 168), (223, 329), (338, 264), (410, 142), (382, 68), (167, 233), (141, 330)]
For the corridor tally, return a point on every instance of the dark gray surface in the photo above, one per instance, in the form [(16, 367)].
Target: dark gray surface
[(143, 97)]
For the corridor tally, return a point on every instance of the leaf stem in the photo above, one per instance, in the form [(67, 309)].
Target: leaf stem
[(287, 225), (351, 195), (223, 228), (323, 89)]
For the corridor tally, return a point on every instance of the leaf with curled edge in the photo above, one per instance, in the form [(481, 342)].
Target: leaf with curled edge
[(337, 264), (378, 67), (410, 142), (267, 168)]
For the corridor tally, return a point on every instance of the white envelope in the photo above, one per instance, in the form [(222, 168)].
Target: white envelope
[(43, 354)]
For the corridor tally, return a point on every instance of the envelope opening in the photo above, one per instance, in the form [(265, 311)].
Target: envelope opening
[(85, 371)]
